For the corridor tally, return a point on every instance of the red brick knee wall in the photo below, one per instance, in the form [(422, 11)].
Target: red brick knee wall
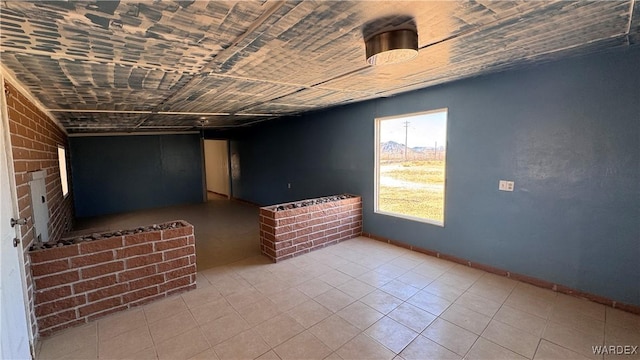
[(288, 233), (77, 283)]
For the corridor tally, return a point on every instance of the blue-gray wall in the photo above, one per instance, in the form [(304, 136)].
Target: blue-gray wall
[(115, 174), (567, 133)]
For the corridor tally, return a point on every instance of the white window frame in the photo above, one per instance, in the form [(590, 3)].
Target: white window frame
[(64, 174), (376, 194)]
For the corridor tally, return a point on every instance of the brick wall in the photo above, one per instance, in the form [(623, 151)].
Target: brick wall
[(77, 283), (34, 143), (288, 233)]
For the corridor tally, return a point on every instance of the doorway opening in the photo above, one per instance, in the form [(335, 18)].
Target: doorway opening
[(216, 164)]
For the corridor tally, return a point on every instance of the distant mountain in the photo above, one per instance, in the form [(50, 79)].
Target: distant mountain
[(394, 150), (392, 147)]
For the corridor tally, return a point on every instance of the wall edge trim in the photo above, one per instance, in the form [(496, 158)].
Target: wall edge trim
[(13, 80), (247, 202), (634, 309), (74, 135)]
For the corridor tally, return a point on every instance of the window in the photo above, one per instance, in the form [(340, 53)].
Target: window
[(62, 161), (410, 166)]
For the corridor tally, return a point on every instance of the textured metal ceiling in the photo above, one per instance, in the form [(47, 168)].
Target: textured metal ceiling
[(112, 66)]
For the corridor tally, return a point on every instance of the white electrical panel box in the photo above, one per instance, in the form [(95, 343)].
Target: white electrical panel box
[(505, 185), (39, 205)]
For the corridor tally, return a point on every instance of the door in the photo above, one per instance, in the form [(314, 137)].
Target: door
[(216, 162), (14, 336)]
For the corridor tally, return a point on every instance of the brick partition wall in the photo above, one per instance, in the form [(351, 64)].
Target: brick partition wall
[(34, 142), (291, 232), (77, 283)]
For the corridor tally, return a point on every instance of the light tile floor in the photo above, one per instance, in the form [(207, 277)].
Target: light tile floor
[(360, 299)]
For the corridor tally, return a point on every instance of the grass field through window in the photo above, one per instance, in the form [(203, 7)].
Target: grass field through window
[(413, 188)]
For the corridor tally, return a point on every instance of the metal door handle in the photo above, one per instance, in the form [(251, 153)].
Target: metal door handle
[(15, 222), (16, 241)]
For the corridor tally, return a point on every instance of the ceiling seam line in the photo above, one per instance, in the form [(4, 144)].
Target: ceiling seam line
[(468, 32), (448, 38), (497, 70), (97, 111), (157, 112), (451, 37), (7, 74), (171, 71), (270, 100), (250, 29), (96, 60), (304, 86)]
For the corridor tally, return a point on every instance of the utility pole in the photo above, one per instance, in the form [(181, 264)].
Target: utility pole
[(406, 135), (435, 150)]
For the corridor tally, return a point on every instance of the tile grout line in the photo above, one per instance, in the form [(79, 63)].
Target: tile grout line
[(351, 254)]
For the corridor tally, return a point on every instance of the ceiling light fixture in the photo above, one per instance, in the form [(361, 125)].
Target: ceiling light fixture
[(203, 121), (392, 47)]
